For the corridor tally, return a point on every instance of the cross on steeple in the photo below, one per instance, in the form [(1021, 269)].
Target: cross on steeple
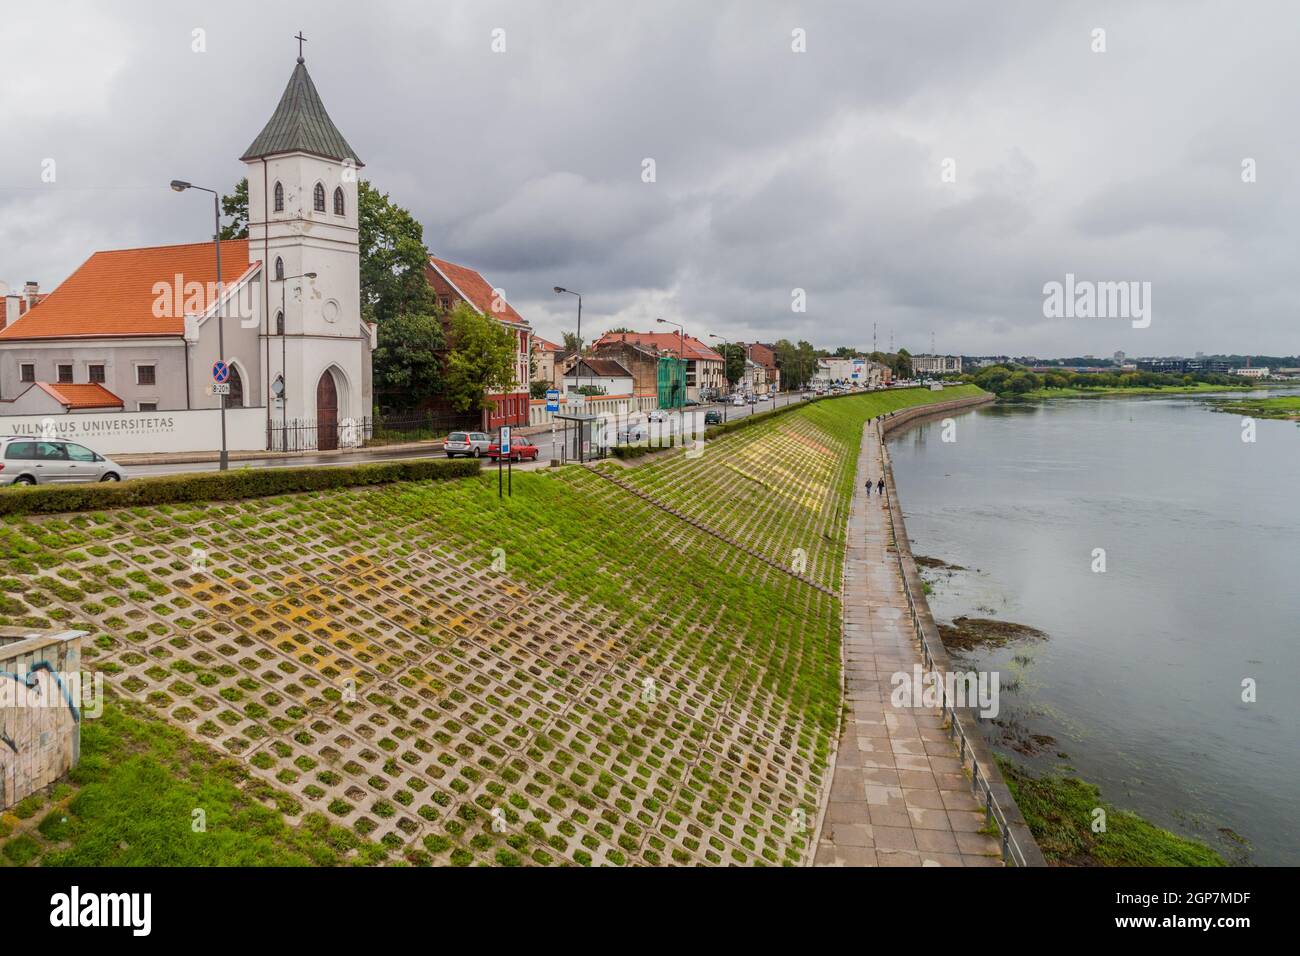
[(301, 40)]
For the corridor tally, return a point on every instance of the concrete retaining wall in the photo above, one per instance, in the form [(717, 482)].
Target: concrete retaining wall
[(40, 731)]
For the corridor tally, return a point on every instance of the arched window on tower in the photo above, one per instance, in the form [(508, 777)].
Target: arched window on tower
[(279, 268), (318, 198), (338, 200), (279, 198), (279, 323)]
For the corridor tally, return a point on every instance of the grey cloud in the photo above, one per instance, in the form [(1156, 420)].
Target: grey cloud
[(775, 169)]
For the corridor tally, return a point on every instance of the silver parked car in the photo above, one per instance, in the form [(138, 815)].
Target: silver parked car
[(470, 444), (37, 461)]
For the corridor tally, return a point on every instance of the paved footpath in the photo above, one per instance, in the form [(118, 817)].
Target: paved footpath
[(898, 796)]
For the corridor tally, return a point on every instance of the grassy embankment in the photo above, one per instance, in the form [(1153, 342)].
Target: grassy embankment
[(1060, 811), (358, 676), (1284, 407)]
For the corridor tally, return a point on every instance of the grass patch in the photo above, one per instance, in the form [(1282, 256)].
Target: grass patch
[(136, 790), (1284, 407), (1059, 811)]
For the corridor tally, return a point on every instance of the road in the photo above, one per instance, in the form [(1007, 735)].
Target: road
[(543, 440)]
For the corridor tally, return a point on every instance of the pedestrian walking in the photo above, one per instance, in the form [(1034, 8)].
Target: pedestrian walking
[(880, 487), (868, 487)]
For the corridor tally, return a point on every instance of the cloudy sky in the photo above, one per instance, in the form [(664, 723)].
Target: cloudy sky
[(775, 170)]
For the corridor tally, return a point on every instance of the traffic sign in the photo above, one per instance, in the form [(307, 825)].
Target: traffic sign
[(504, 441), (220, 388), (552, 399), (220, 372)]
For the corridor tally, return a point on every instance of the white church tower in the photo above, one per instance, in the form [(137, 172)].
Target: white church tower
[(302, 219)]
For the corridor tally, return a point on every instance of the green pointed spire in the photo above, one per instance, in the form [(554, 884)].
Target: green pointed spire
[(301, 125)]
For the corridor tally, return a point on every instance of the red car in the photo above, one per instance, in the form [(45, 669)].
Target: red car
[(519, 451)]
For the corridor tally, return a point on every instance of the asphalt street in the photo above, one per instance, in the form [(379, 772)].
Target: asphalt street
[(379, 453)]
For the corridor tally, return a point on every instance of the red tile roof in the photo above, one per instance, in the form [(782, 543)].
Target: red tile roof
[(665, 342), (544, 345), (92, 395), (112, 293), (477, 291)]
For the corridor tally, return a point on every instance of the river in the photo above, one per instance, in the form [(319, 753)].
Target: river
[(1138, 685)]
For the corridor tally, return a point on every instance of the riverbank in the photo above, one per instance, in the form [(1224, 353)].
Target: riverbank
[(1198, 388), (1074, 826), (1057, 806), (1283, 407)]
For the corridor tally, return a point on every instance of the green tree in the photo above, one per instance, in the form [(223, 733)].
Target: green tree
[(407, 362), (901, 363), (481, 361), (798, 363), (235, 206), (733, 363), (572, 344), (393, 258), (537, 388)]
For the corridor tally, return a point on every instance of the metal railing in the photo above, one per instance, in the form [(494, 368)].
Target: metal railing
[(981, 784)]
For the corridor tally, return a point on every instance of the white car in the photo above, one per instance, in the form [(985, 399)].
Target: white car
[(469, 444), (36, 461)]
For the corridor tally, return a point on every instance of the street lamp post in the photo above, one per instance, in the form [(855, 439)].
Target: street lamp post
[(726, 357), (681, 356), (284, 358), (179, 185), (560, 290)]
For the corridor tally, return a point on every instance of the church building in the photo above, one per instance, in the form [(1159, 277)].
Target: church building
[(141, 324)]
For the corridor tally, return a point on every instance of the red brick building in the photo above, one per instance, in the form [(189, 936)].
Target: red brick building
[(454, 283)]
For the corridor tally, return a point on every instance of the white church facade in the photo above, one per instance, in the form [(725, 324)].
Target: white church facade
[(133, 333)]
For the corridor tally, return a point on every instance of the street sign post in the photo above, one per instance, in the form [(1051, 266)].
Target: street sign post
[(220, 372), (503, 451), (552, 399), (220, 388)]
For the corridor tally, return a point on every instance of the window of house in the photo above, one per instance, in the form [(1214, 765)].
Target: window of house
[(318, 198), (279, 268), (65, 374), (144, 375), (338, 200), (27, 372), (279, 198), (148, 406), (279, 323), (96, 373)]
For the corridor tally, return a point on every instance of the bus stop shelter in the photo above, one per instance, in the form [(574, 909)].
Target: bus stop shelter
[(583, 437)]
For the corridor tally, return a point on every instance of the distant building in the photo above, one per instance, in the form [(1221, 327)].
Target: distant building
[(936, 364), (704, 375), (1261, 372), (1183, 366), (605, 374), (545, 355), (1119, 359), (765, 356), (454, 283)]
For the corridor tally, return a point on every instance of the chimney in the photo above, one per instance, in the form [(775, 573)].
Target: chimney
[(30, 291), (11, 310)]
